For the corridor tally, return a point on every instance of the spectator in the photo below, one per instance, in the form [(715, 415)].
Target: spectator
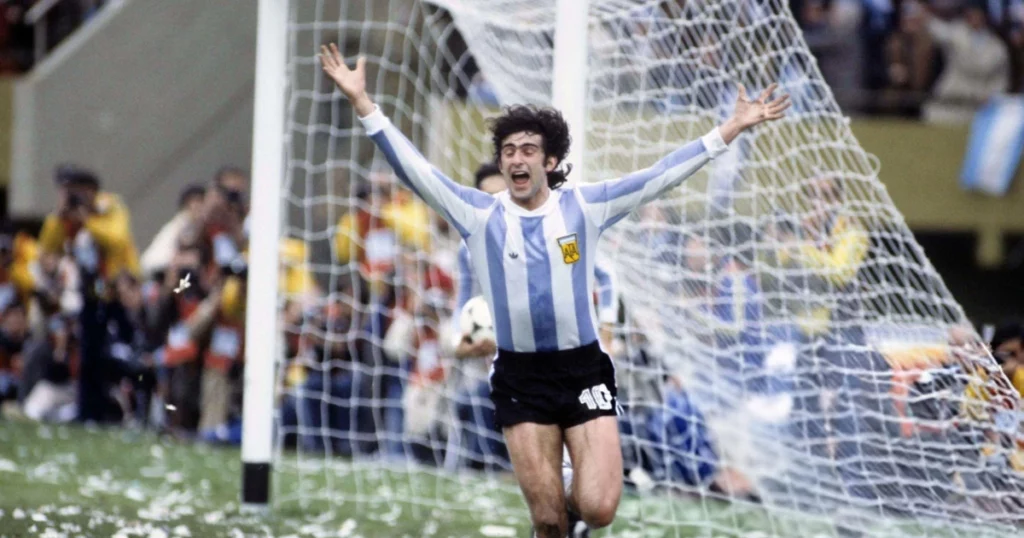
[(225, 213), (1008, 349), (13, 335), (383, 220), (331, 386), (94, 228), (158, 255), (218, 327), (977, 65), (129, 361), (418, 342), (911, 58), (180, 376), (18, 55)]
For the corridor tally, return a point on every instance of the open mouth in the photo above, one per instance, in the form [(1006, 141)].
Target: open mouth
[(520, 179)]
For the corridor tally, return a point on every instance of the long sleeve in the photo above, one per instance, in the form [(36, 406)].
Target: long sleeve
[(458, 204), (111, 228), (607, 297), (158, 254), (465, 281), (51, 236), (463, 286), (608, 202)]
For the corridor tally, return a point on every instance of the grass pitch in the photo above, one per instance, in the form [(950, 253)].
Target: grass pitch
[(69, 481)]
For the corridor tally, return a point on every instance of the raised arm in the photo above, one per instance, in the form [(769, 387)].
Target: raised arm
[(456, 203), (609, 201)]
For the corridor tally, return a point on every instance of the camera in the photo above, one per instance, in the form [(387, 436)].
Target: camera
[(75, 200)]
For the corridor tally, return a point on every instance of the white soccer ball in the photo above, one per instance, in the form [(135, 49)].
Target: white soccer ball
[(476, 321)]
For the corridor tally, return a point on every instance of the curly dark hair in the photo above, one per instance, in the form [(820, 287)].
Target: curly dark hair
[(548, 123)]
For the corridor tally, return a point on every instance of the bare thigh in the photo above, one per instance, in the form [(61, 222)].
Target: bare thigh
[(536, 454), (597, 469)]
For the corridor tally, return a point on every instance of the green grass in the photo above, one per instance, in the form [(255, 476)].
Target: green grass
[(70, 481), (73, 481)]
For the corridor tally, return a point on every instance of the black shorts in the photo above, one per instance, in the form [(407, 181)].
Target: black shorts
[(566, 388)]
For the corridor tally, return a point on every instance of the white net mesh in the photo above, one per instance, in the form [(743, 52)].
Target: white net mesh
[(784, 344)]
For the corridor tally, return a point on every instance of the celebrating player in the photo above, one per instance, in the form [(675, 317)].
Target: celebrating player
[(533, 247)]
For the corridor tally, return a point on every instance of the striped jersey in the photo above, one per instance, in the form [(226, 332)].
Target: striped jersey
[(535, 267), (467, 287)]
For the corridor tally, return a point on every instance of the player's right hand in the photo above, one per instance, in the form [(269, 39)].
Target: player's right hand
[(351, 82)]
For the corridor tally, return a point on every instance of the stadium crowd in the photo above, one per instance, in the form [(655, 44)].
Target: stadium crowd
[(18, 37)]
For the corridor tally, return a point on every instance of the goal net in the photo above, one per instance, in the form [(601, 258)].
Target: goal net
[(789, 362)]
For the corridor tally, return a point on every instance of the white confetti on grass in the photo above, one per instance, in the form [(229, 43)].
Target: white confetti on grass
[(346, 528), (8, 466), (497, 531), (183, 531), (213, 518), (70, 511), (39, 518)]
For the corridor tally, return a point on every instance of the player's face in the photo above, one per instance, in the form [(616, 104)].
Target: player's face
[(525, 166)]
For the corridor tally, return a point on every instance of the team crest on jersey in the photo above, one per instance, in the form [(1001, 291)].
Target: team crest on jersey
[(570, 249)]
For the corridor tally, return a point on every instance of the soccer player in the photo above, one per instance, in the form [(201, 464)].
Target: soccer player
[(533, 247), (489, 179)]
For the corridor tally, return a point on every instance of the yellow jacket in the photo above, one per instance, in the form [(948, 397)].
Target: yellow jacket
[(25, 251), (835, 265), (110, 227), (409, 220)]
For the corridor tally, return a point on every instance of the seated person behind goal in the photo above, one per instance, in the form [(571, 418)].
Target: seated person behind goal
[(535, 247)]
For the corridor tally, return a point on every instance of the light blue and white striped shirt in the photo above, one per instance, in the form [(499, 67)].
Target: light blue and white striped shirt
[(467, 287), (536, 268)]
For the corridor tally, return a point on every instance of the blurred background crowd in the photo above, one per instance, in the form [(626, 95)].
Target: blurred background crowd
[(935, 59)]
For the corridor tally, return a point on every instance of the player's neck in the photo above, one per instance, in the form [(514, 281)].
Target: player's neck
[(535, 201)]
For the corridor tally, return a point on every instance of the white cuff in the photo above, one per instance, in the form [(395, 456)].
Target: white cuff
[(714, 143), (375, 122), (608, 315)]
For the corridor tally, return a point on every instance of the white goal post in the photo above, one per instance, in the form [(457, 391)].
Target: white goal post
[(262, 342)]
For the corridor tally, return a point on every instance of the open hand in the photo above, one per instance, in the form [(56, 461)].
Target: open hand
[(351, 82), (752, 112)]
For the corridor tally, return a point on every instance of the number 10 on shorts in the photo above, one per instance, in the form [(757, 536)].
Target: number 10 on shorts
[(596, 397)]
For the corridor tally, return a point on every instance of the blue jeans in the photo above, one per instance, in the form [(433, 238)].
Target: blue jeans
[(393, 389), (334, 407), (481, 437)]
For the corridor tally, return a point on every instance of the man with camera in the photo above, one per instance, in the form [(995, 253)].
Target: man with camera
[(93, 229)]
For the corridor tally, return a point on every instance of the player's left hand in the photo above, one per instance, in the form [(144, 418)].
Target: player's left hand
[(750, 112)]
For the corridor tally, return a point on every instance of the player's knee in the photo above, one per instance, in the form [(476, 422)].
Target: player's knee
[(600, 513)]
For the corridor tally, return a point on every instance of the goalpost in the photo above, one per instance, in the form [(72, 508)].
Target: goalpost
[(261, 326), (789, 361)]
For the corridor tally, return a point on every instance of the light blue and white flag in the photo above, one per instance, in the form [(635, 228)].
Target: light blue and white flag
[(994, 146)]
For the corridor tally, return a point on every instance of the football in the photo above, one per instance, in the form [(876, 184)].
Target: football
[(476, 321)]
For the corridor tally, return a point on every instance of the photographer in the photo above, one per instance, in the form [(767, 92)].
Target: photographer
[(218, 324), (94, 228), (181, 370)]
